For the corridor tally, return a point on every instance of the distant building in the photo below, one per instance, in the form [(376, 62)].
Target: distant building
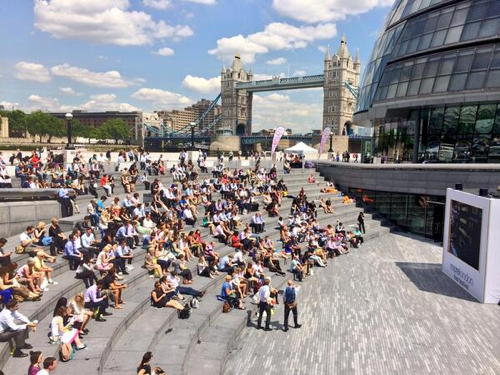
[(179, 119), (96, 119), (4, 127)]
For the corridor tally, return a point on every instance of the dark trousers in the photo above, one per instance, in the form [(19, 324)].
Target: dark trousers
[(66, 207), (361, 225), (264, 306), (189, 291), (88, 278), (19, 337), (287, 313), (74, 261), (120, 264), (100, 306)]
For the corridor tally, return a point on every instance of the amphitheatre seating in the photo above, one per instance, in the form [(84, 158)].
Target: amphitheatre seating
[(20, 194), (117, 345)]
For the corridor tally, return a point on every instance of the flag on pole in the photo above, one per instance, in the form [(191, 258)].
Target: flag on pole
[(278, 133), (324, 137)]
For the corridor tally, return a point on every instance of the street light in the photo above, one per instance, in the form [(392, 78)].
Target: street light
[(331, 139), (69, 117), (193, 126)]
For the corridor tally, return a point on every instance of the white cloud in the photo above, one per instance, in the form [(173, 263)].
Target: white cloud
[(9, 105), (111, 78), (277, 61), (165, 51), (38, 102), (299, 73), (68, 91), (270, 111), (103, 97), (102, 21), (28, 71), (314, 11), (95, 104), (275, 36), (206, 2), (161, 98), (157, 4), (202, 85), (322, 48)]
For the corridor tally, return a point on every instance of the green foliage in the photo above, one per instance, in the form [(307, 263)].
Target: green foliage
[(44, 125), (17, 121), (113, 129)]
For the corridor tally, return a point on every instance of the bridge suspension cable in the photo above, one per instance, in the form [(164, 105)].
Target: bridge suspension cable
[(187, 129)]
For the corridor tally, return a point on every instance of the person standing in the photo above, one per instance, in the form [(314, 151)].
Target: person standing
[(265, 304), (361, 222), (290, 301)]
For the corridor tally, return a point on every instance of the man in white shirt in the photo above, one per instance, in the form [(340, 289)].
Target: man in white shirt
[(49, 365), (265, 304), (11, 330), (25, 238), (89, 243)]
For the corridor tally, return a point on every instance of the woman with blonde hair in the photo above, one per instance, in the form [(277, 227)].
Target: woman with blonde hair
[(81, 314), (105, 258)]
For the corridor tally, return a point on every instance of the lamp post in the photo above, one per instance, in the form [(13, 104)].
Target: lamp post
[(331, 139), (69, 129), (193, 126)]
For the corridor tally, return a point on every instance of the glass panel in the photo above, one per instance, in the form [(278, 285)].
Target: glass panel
[(493, 79), (438, 39), (413, 44), (441, 84), (454, 34), (463, 62), (413, 88), (489, 28), (447, 65), (402, 89), (479, 149), (426, 85), (470, 31), (450, 123), (485, 118), (431, 68), (436, 121), (444, 19), (459, 17), (481, 60), (477, 11), (457, 82), (494, 10), (495, 62), (462, 149), (431, 24), (418, 70), (392, 91), (467, 119), (425, 41), (475, 80), (494, 150), (405, 73), (496, 127)]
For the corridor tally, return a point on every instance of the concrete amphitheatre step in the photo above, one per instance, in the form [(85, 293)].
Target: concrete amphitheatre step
[(71, 286), (192, 346), (139, 298)]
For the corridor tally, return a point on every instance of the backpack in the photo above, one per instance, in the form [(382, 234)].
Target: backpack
[(226, 307), (195, 303), (185, 313)]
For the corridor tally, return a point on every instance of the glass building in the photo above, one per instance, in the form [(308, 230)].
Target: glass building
[(432, 87)]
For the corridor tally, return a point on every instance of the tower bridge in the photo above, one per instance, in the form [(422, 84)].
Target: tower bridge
[(340, 80)]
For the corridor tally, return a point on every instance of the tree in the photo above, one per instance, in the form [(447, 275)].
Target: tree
[(42, 124), (80, 130), (114, 129), (17, 122)]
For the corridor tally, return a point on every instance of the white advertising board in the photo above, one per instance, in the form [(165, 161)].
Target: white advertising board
[(471, 246)]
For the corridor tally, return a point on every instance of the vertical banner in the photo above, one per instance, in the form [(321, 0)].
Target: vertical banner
[(324, 137), (278, 133)]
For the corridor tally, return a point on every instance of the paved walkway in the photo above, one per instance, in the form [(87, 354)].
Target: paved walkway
[(383, 309)]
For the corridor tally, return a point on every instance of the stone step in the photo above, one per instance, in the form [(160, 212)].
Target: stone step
[(200, 319)]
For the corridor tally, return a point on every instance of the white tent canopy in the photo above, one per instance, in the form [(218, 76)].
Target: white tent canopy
[(302, 149)]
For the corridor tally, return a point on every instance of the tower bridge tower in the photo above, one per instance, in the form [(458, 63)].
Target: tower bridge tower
[(338, 102), (236, 104)]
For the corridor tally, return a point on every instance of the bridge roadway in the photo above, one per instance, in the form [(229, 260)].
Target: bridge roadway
[(385, 308), (278, 83)]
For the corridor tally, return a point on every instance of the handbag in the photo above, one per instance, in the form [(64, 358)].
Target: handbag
[(226, 307)]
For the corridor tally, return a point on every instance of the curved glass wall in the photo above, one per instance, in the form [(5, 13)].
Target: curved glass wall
[(444, 28), (467, 133)]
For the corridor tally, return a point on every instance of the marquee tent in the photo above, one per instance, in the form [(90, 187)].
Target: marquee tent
[(302, 149)]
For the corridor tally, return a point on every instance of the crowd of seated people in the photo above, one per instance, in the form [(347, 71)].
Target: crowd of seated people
[(101, 249)]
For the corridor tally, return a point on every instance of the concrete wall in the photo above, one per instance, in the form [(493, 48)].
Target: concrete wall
[(429, 179), (16, 216)]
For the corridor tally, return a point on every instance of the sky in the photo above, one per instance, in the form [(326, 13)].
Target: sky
[(98, 55)]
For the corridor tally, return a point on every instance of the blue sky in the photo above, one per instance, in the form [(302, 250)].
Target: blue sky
[(59, 55)]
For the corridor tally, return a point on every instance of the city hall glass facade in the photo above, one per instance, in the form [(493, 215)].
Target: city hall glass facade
[(432, 86)]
